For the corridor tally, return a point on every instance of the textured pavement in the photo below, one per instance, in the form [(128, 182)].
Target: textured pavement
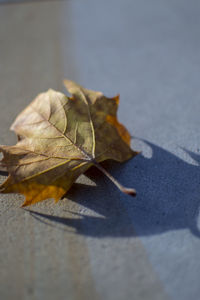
[(98, 243)]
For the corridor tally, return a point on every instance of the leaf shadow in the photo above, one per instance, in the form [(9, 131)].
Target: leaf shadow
[(168, 197)]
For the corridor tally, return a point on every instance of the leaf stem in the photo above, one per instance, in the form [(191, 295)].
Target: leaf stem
[(122, 188)]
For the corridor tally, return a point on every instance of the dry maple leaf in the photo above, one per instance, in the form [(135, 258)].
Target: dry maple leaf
[(61, 137)]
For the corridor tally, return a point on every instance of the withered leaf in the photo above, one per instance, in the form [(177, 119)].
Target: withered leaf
[(61, 137)]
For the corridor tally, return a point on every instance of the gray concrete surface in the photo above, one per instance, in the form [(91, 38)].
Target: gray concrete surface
[(98, 243)]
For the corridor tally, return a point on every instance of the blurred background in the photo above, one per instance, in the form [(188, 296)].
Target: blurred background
[(97, 243)]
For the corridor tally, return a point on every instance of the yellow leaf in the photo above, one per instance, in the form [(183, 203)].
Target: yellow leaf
[(61, 137)]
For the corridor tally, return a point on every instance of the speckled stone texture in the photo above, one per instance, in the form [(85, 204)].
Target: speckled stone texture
[(98, 243)]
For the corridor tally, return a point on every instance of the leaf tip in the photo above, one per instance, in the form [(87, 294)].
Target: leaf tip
[(56, 200), (117, 99), (24, 204)]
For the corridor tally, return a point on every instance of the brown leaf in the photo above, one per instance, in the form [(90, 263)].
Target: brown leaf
[(61, 137)]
